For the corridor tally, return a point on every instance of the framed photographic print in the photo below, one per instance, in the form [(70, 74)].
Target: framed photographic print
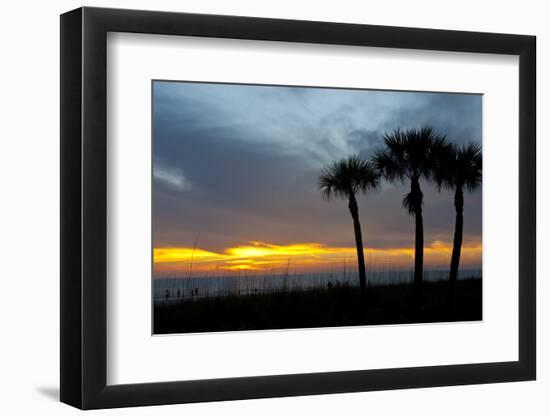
[(258, 207)]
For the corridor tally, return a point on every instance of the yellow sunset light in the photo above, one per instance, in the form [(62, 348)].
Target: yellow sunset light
[(260, 249), (161, 255), (261, 256)]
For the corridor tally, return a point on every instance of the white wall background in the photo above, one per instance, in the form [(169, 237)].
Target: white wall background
[(29, 226)]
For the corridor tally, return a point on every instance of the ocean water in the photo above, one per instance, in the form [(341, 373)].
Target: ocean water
[(190, 288)]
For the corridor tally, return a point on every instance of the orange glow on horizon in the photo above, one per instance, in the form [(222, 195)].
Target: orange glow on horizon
[(303, 257)]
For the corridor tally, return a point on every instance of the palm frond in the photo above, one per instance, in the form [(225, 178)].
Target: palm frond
[(413, 200), (408, 203), (409, 153), (471, 156), (442, 170), (388, 165), (348, 176), (459, 167)]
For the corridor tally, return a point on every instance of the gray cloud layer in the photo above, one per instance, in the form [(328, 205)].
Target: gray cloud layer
[(235, 163)]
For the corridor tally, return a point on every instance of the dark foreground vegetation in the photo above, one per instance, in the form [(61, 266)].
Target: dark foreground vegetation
[(336, 306)]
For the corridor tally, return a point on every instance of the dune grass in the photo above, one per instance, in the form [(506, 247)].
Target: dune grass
[(326, 307)]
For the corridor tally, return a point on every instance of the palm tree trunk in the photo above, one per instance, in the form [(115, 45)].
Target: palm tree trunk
[(354, 210), (457, 241), (418, 240)]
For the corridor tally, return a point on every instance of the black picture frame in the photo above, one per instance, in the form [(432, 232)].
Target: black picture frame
[(84, 207)]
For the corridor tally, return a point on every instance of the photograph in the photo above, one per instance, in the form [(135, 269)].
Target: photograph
[(288, 207), (304, 206)]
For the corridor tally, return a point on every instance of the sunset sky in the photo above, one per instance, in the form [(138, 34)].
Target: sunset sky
[(235, 171)]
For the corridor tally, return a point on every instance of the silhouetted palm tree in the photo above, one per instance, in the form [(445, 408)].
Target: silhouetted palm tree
[(345, 179), (409, 155), (459, 168)]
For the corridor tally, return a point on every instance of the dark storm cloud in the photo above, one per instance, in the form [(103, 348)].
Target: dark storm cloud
[(237, 163)]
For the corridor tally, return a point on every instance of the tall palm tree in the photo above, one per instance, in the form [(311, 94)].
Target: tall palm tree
[(409, 155), (345, 179), (459, 168)]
